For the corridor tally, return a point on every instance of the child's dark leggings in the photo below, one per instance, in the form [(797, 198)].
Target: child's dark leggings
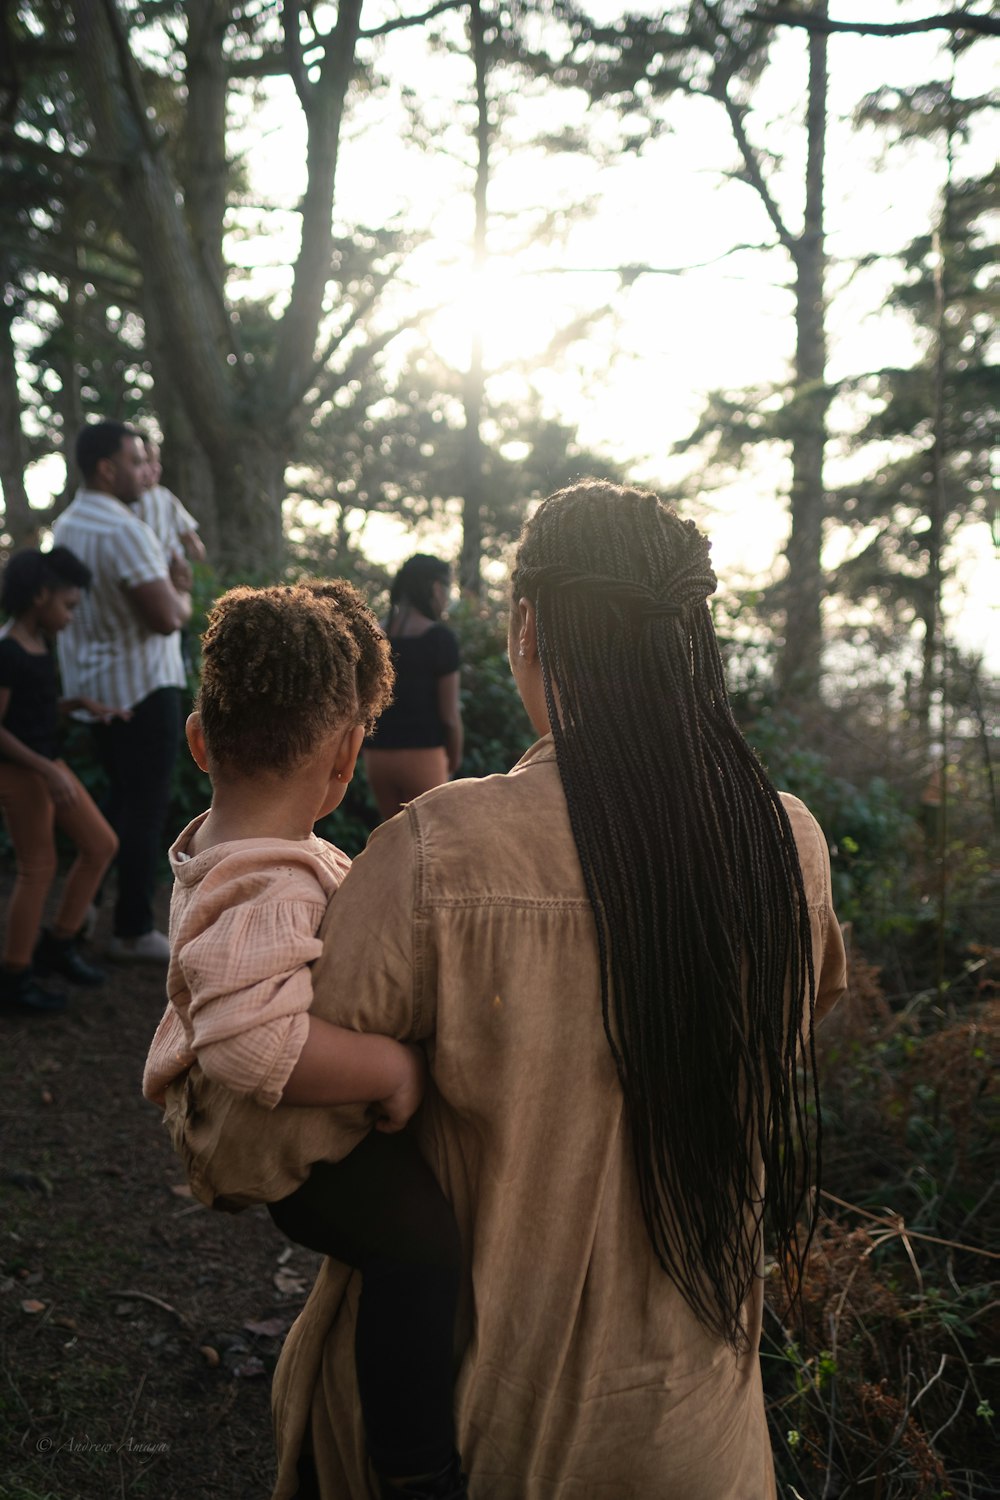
[(381, 1210)]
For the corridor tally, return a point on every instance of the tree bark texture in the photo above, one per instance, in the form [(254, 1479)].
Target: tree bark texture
[(800, 662), (203, 164), (474, 385), (20, 521), (243, 418)]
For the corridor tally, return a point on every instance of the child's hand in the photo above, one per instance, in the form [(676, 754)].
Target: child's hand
[(397, 1108)]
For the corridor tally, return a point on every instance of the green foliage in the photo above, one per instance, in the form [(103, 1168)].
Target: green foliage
[(871, 835), (497, 731), (880, 1381)]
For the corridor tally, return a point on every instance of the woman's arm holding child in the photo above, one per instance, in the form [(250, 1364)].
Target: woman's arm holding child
[(339, 1066)]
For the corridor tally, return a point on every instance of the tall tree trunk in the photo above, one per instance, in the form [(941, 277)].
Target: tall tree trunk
[(474, 385), (203, 169), (20, 521), (800, 665), (244, 417)]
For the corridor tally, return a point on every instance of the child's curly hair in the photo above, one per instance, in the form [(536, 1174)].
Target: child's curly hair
[(283, 666)]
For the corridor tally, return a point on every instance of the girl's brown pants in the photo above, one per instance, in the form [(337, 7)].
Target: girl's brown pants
[(32, 818)]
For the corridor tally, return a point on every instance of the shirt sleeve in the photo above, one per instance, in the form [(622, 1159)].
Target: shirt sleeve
[(182, 518), (250, 985), (138, 556), (446, 658), (828, 951)]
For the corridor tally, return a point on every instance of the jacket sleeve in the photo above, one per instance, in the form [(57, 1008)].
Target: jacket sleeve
[(368, 977)]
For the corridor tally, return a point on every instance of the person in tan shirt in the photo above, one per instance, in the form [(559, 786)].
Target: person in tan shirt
[(615, 955), (291, 678)]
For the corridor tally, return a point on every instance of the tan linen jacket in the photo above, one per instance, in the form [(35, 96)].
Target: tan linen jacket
[(581, 1373)]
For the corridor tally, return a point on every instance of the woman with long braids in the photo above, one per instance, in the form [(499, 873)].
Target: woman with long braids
[(615, 955)]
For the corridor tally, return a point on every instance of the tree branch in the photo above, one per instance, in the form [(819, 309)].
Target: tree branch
[(362, 358), (294, 64), (957, 20), (401, 21), (755, 175), (361, 308)]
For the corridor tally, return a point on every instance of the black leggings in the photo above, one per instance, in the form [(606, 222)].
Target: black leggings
[(381, 1211)]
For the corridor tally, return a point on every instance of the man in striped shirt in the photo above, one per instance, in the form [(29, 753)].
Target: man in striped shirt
[(123, 648)]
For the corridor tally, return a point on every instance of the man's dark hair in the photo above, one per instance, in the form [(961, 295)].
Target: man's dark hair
[(30, 571), (100, 440), (694, 881)]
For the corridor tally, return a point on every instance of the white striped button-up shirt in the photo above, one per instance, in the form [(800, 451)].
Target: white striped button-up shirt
[(106, 652), (163, 512)]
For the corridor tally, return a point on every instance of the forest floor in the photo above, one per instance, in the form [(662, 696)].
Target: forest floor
[(138, 1330)]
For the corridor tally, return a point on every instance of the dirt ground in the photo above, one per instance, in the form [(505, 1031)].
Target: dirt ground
[(138, 1330)]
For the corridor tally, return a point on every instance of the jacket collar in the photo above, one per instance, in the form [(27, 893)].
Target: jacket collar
[(542, 750)]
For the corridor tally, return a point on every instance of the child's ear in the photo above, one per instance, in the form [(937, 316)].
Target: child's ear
[(348, 751), (196, 741)]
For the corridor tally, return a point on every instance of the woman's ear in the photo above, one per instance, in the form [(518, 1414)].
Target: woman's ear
[(196, 741), (527, 638)]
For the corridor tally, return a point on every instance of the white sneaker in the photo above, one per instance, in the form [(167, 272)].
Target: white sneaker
[(151, 948)]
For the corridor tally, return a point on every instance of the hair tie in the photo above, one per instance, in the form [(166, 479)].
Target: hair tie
[(661, 609), (620, 594)]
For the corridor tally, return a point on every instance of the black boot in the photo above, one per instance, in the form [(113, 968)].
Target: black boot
[(61, 956), (448, 1484), (20, 990)]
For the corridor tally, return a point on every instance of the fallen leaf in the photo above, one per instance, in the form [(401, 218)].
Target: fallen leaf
[(270, 1328), (211, 1356), (46, 1096), (181, 1190), (249, 1368), (64, 1322), (286, 1255), (32, 1305), (289, 1283)]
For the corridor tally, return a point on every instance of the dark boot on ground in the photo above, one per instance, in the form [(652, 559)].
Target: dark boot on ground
[(448, 1484), (61, 956), (20, 990)]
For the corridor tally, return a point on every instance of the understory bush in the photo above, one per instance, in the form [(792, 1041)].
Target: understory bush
[(882, 1382)]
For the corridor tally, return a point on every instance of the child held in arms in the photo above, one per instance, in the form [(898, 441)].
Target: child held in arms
[(292, 678)]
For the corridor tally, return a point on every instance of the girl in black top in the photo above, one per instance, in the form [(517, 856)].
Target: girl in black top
[(417, 744), (38, 791)]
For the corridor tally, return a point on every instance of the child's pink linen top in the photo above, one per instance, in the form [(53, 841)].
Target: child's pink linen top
[(243, 922)]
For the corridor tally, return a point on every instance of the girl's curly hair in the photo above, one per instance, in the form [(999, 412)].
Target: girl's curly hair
[(283, 666)]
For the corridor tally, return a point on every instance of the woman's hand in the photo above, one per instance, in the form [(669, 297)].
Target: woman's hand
[(397, 1108), (62, 788), (103, 711)]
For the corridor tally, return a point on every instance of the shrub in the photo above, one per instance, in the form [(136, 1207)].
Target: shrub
[(879, 1383)]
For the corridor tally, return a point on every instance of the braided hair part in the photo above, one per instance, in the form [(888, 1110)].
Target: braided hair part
[(693, 877)]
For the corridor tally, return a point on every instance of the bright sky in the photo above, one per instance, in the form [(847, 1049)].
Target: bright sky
[(636, 384)]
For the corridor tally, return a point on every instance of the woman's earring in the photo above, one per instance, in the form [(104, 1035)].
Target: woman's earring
[(520, 650)]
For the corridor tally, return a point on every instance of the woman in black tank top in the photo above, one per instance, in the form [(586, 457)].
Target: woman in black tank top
[(417, 743)]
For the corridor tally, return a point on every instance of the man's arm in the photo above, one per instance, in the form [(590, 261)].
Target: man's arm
[(160, 606)]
